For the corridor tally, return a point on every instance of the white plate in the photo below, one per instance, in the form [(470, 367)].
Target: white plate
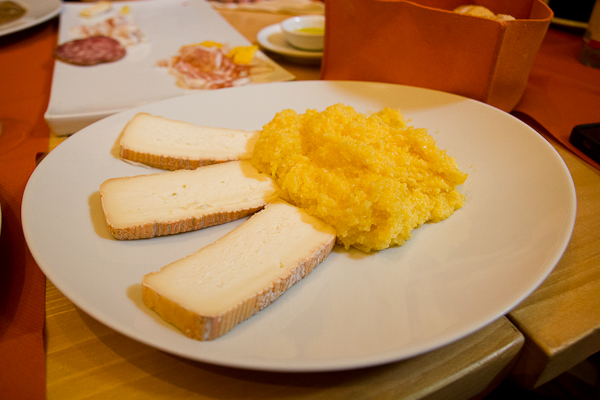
[(37, 12), (271, 38), (354, 310), (82, 95)]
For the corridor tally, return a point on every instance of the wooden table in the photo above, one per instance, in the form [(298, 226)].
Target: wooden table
[(561, 319), (558, 325)]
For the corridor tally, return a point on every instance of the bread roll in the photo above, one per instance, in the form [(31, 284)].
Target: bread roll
[(481, 11)]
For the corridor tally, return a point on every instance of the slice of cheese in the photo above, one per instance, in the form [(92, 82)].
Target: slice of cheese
[(171, 202), (209, 292), (96, 9), (170, 144)]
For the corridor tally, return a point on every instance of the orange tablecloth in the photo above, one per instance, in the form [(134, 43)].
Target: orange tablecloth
[(24, 92), (561, 92)]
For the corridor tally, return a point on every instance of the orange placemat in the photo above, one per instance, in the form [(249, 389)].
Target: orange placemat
[(27, 64), (561, 92)]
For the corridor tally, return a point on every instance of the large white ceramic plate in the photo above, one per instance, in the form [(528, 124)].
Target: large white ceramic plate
[(353, 310), (38, 11), (81, 95)]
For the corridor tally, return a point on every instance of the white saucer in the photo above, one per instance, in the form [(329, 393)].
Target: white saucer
[(271, 38)]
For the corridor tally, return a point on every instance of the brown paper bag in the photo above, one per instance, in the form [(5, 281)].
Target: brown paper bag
[(423, 43)]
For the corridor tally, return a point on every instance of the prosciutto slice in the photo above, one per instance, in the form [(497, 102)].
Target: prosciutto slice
[(207, 67)]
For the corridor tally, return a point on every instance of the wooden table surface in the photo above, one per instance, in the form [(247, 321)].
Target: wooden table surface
[(561, 319), (558, 327)]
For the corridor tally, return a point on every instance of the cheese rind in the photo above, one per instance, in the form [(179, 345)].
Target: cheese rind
[(209, 292), (171, 202), (170, 144)]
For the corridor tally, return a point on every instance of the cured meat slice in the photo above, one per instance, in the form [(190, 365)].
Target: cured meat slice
[(90, 51)]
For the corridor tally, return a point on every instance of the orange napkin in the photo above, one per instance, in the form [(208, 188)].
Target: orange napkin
[(25, 81), (423, 43), (562, 92)]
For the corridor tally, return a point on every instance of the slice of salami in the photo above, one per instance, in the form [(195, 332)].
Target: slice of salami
[(90, 51)]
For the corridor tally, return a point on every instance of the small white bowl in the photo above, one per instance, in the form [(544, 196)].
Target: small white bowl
[(305, 32)]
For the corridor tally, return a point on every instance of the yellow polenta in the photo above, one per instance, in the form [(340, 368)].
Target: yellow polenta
[(371, 177)]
